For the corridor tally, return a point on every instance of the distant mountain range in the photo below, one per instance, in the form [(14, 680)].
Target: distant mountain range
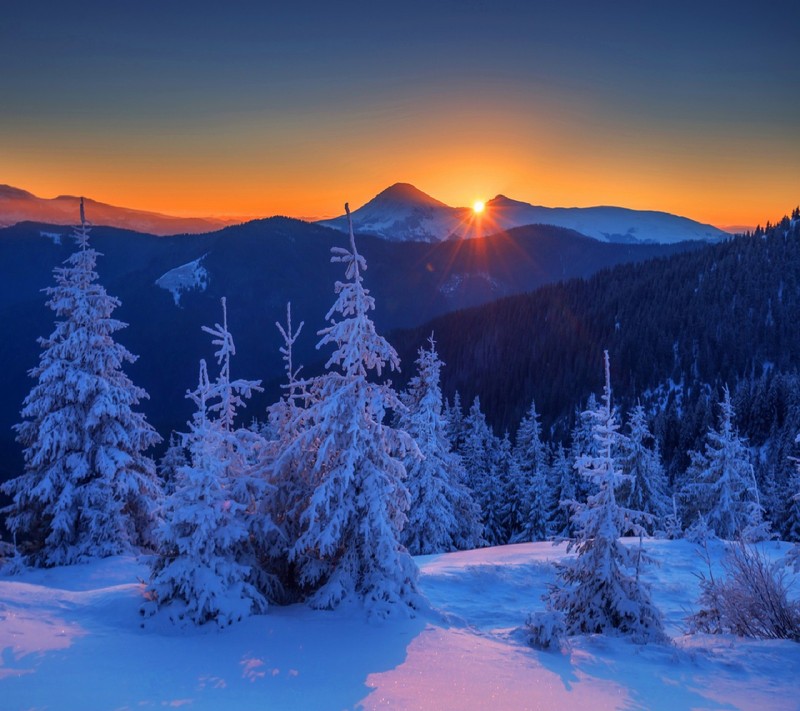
[(171, 286), (404, 213), (401, 213), (20, 206)]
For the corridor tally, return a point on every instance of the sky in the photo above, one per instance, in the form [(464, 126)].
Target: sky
[(260, 108)]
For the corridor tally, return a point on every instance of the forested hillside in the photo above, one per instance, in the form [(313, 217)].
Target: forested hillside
[(677, 329)]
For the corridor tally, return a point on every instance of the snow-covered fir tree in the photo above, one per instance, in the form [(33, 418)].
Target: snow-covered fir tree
[(582, 442), (349, 546), (88, 489), (794, 529), (442, 514), (527, 493), (562, 495), (244, 453), (721, 482), (173, 459), (293, 486), (599, 591), (197, 576), (646, 487), (479, 454), (454, 416)]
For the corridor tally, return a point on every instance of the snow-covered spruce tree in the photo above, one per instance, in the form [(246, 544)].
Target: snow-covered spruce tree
[(88, 489), (442, 514), (479, 454), (244, 454), (599, 591), (349, 546), (454, 416), (793, 519), (721, 482), (173, 459), (526, 500), (583, 443), (197, 576), (646, 487), (562, 496), (293, 486)]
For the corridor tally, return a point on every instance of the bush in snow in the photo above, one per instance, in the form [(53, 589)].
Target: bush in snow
[(349, 544), (88, 489), (546, 629), (442, 514), (751, 600), (599, 591)]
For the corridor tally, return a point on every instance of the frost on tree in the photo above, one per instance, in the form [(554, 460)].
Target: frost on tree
[(562, 496), (285, 470), (480, 456), (88, 489), (646, 487), (599, 591), (216, 534), (174, 458), (349, 545), (526, 500), (442, 515), (197, 576), (721, 483), (794, 514)]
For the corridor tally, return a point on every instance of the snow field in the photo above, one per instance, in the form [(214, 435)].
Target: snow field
[(71, 637)]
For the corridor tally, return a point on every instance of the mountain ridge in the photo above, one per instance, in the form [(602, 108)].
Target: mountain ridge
[(18, 205), (402, 212)]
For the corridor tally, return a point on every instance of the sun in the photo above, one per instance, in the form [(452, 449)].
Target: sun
[(478, 207)]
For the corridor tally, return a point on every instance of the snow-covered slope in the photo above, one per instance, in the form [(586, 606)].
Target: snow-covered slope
[(401, 212), (608, 224), (71, 638)]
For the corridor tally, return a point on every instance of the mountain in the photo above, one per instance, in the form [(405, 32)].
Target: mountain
[(402, 212), (171, 286), (19, 206)]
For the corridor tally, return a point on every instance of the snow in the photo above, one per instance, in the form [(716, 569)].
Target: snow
[(54, 237), (402, 212), (70, 637), (187, 277)]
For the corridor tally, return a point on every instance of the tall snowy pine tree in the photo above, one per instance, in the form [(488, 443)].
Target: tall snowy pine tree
[(442, 515), (599, 591), (349, 546), (526, 500), (646, 487), (88, 489), (479, 453)]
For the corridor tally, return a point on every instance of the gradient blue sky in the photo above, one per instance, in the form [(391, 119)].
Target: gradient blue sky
[(262, 108)]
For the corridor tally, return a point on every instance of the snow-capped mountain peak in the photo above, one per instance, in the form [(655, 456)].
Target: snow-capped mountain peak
[(402, 212)]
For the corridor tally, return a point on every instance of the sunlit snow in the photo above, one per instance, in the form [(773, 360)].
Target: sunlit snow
[(72, 638)]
